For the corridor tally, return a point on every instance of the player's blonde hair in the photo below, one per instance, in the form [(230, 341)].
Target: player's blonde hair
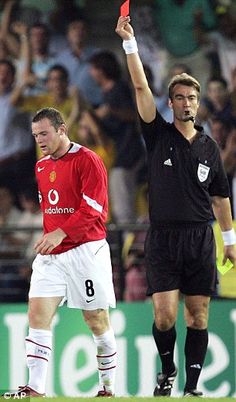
[(183, 79)]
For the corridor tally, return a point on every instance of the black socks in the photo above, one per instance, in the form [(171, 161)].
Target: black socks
[(165, 342), (195, 352)]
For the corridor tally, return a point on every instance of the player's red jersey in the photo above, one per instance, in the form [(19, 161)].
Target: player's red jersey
[(73, 196)]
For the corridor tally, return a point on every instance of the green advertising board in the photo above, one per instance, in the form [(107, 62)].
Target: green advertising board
[(72, 370)]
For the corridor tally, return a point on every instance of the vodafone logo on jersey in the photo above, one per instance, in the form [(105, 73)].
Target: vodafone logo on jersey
[(53, 198)]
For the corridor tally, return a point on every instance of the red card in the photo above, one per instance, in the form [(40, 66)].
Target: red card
[(124, 9)]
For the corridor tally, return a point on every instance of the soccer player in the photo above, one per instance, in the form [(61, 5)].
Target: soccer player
[(187, 183), (73, 259)]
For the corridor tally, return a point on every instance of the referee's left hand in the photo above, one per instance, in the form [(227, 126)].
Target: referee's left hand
[(230, 253), (49, 241), (124, 28)]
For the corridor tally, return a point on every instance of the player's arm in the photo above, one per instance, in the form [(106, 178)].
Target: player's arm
[(46, 244), (222, 211), (144, 98)]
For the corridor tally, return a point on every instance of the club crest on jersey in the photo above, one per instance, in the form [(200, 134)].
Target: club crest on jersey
[(52, 176), (202, 172)]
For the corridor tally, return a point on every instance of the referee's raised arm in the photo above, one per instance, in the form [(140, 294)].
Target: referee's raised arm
[(144, 98)]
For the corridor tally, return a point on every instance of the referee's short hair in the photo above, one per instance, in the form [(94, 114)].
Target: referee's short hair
[(183, 79)]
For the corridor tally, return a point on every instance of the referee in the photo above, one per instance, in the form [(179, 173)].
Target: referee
[(187, 184)]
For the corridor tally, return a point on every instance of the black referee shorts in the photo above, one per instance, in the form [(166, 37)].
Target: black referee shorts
[(181, 257)]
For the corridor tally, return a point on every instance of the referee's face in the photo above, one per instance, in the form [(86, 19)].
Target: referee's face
[(185, 102)]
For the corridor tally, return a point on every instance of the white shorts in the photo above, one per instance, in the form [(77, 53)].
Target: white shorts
[(82, 276)]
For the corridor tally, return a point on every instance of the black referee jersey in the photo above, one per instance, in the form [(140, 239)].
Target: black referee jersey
[(182, 176)]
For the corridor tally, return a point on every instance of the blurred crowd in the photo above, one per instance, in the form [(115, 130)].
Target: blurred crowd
[(48, 59)]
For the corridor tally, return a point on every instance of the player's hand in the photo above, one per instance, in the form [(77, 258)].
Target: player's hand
[(124, 29), (230, 253), (49, 241)]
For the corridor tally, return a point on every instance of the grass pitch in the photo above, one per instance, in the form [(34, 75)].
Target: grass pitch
[(131, 399)]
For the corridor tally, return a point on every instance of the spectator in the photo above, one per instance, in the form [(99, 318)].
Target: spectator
[(35, 57), (67, 100), (16, 144), (134, 263), (92, 135), (217, 102), (17, 246), (31, 217), (229, 159), (118, 114), (233, 92), (182, 24), (224, 42), (27, 11), (76, 59), (63, 13), (9, 215), (135, 278), (13, 287), (219, 131), (224, 133), (8, 42)]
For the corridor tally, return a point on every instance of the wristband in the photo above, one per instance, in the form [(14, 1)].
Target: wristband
[(130, 46), (229, 237)]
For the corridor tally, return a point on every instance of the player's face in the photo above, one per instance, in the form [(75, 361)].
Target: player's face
[(185, 102), (47, 137)]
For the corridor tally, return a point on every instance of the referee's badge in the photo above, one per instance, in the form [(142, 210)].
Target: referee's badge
[(202, 172)]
